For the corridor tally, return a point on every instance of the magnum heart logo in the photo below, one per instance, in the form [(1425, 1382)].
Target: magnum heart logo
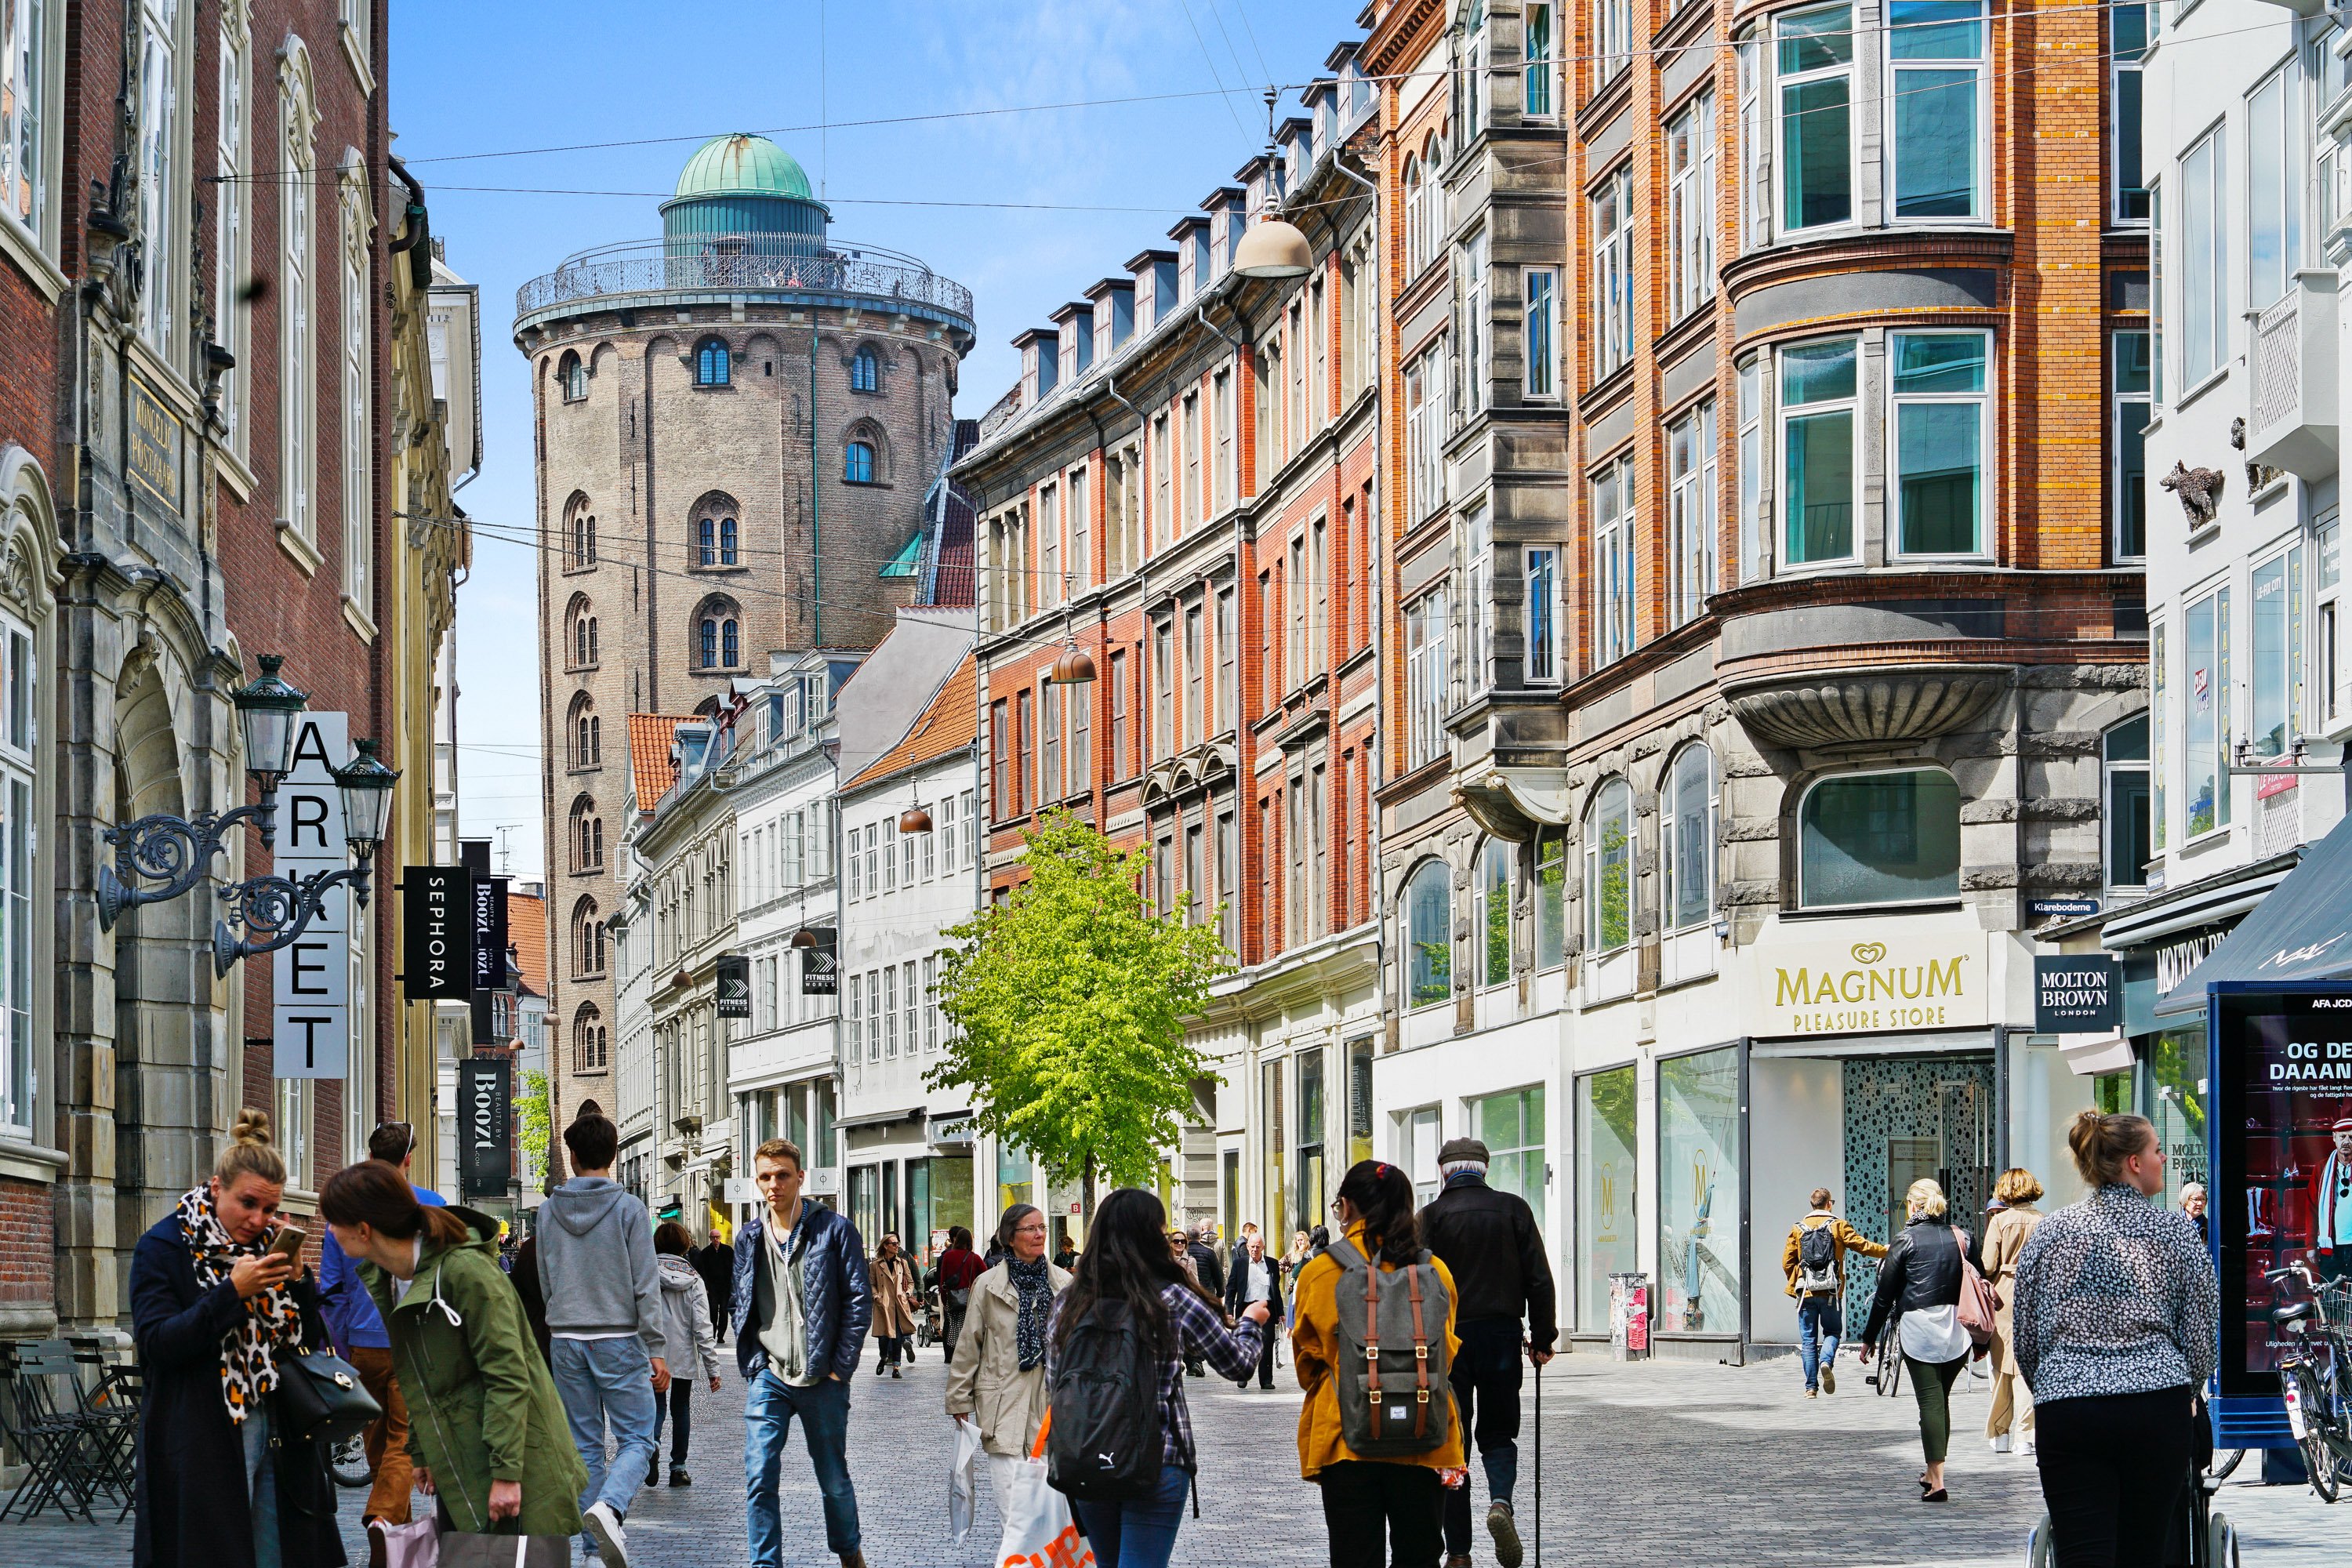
[(1868, 952)]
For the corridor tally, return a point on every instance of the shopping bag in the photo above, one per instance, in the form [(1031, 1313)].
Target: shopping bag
[(416, 1544), (964, 1481), (1039, 1532)]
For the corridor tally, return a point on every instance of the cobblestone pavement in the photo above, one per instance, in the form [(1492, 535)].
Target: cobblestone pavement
[(1655, 1462)]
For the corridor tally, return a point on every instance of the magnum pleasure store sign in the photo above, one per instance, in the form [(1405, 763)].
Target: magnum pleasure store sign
[(1864, 983)]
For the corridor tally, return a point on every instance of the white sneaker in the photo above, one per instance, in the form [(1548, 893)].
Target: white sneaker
[(2028, 1450), (2000, 1444), (612, 1540)]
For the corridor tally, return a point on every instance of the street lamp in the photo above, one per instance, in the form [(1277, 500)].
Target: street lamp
[(274, 909), (1272, 247), (174, 850)]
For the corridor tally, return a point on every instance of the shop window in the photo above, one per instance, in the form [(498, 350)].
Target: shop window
[(1936, 54), (1879, 838), (1689, 839), (1700, 1200), (1818, 387), (1512, 1127), (2205, 732), (1360, 1099), (1429, 935), (2278, 593), (1276, 1197), (2127, 30), (2129, 364), (1608, 869), (1815, 56), (1939, 439), (2125, 756), (1494, 914), (1551, 897), (1606, 1170), (1310, 1163)]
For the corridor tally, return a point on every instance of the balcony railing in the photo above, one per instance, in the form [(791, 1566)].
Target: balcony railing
[(652, 268), (2292, 358)]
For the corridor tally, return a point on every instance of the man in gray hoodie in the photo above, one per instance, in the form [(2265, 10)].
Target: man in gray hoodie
[(605, 1326)]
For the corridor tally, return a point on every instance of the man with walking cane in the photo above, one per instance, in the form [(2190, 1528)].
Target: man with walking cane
[(1489, 1242)]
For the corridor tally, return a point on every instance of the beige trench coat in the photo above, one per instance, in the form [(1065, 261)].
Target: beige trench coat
[(894, 1297), (985, 1381), (2005, 1235)]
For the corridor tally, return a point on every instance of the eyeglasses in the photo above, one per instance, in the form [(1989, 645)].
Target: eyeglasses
[(408, 1130)]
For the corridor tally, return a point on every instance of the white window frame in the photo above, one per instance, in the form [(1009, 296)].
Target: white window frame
[(2129, 413), (1478, 594), (2328, 609), (2159, 723), (1612, 41), (2121, 67), (1671, 860), (2275, 127), (1427, 672), (1693, 490), (1979, 143), (1540, 616), (2215, 687), (2286, 664), (1476, 360), (1540, 334), (1892, 456), (1786, 415), (1612, 271), (358, 451), (1755, 523), (1539, 52), (1755, 201), (1615, 587), (232, 199), (21, 878), (2203, 266), (162, 104), (1593, 867), (1784, 223), (1690, 206), (297, 301)]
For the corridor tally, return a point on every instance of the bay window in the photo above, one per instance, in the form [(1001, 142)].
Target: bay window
[(1475, 363), (1542, 615), (2277, 617), (1814, 50), (1612, 271), (1537, 48), (1819, 384), (1688, 839), (1426, 670), (1690, 207), (2204, 261), (1608, 869), (1478, 597), (2127, 30), (1429, 935), (1690, 514), (1612, 563), (1540, 333), (1879, 838), (2275, 172), (1494, 914), (1936, 59), (1939, 435), (2205, 734), (1755, 549), (2128, 384), (1754, 204), (1551, 896)]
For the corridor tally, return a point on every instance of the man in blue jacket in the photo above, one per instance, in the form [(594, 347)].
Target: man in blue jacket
[(358, 1332), (800, 1314)]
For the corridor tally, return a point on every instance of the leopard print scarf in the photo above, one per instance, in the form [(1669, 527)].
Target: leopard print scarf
[(248, 1368)]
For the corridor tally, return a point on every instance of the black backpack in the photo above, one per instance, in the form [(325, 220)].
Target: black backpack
[(1103, 1442), (1817, 1259)]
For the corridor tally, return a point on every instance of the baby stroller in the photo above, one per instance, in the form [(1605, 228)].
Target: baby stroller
[(2204, 1538), (927, 1327)]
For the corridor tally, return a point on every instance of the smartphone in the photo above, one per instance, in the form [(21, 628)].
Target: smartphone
[(287, 1242)]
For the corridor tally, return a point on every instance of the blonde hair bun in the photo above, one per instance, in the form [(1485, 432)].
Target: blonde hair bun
[(250, 1152), (252, 1129)]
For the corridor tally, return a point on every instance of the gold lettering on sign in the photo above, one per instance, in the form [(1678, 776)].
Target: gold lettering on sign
[(1870, 991), (156, 438)]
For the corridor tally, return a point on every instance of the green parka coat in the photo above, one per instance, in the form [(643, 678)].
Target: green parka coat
[(481, 1405)]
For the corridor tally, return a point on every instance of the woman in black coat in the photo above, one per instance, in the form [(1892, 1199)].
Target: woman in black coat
[(214, 1317)]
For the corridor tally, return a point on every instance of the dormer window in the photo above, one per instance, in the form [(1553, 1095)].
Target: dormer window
[(712, 364)]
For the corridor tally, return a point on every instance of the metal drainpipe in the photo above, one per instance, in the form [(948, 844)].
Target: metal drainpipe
[(816, 553)]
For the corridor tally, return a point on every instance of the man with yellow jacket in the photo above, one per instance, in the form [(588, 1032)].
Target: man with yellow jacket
[(1816, 1271), (1385, 1511)]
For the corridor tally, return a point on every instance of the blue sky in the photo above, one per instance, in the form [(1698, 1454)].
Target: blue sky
[(490, 78)]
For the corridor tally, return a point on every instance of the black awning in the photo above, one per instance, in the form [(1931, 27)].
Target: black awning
[(2303, 931)]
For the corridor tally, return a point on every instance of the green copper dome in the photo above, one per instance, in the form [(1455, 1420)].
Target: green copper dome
[(741, 166)]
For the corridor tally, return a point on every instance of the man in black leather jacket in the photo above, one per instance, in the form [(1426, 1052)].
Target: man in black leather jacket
[(1489, 1242)]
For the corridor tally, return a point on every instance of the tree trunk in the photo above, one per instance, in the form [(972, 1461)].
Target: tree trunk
[(1087, 1195)]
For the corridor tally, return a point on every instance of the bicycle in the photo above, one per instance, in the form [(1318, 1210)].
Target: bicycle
[(2312, 1369), (347, 1461), (1887, 1359)]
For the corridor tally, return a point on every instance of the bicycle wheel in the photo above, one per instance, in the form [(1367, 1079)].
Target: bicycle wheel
[(2224, 1461), (2317, 1449), (348, 1461)]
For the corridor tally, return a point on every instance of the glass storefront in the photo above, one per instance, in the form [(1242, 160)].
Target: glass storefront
[(1272, 1139), (1512, 1127), (1699, 1198), (1310, 1138), (1360, 1100), (1605, 1170), (1015, 1176), (2176, 1102)]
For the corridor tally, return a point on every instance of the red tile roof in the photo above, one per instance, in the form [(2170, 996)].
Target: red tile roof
[(650, 738), (948, 724), (527, 934)]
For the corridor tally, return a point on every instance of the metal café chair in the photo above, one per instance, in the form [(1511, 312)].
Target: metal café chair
[(43, 1421), (110, 1390)]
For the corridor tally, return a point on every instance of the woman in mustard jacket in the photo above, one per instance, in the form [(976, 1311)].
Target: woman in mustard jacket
[(1372, 1508)]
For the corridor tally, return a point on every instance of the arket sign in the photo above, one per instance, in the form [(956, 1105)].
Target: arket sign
[(2077, 995)]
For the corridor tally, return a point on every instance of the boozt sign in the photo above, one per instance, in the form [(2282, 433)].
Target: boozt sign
[(436, 934), (734, 976), (818, 975), (1897, 983), (485, 1125), (490, 895), (310, 978), (2077, 995)]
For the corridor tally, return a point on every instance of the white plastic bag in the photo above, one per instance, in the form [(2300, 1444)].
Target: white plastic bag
[(1038, 1530), (964, 1481)]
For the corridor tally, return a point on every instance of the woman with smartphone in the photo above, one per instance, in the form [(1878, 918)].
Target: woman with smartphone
[(217, 1310), (489, 1431)]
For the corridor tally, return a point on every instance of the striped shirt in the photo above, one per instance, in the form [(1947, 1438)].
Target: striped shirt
[(1199, 1334)]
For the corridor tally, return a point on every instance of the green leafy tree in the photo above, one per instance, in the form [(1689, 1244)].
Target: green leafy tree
[(1069, 1001), (537, 1124)]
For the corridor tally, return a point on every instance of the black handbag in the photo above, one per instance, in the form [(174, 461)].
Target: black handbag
[(321, 1398)]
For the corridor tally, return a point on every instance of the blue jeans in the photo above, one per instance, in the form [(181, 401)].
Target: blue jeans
[(1137, 1534), (767, 1416), (261, 1483), (602, 1382), (1819, 1323)]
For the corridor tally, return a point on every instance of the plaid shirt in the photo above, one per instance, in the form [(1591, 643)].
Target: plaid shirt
[(1200, 1333)]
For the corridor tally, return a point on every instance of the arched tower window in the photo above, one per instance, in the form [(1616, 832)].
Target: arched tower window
[(587, 836), (579, 534), (857, 463), (865, 370), (587, 941), (585, 732), (590, 1049), (712, 364), (718, 636), (582, 622), (717, 538), (574, 376)]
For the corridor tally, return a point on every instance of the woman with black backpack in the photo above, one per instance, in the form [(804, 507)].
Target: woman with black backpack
[(1120, 1442), (1376, 1446)]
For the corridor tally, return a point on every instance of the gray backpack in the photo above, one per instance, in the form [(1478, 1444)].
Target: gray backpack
[(1394, 1396)]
